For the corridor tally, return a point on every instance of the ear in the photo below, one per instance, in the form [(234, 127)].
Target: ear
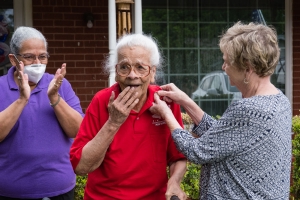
[(12, 60), (249, 71), (153, 72)]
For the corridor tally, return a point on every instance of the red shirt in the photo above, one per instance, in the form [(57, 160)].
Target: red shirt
[(135, 163)]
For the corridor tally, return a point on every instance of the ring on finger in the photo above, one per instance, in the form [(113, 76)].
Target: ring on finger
[(19, 78), (55, 85)]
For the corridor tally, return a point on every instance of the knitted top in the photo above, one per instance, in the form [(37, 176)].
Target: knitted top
[(246, 154)]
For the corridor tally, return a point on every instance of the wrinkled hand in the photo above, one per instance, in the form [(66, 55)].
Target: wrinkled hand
[(56, 82), (24, 87), (171, 93), (120, 107), (160, 107), (174, 189)]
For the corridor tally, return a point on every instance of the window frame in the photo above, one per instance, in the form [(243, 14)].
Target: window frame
[(288, 51)]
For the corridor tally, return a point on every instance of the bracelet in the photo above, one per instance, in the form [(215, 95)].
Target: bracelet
[(53, 105)]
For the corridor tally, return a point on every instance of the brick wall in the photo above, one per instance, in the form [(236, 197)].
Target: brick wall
[(70, 41), (296, 57)]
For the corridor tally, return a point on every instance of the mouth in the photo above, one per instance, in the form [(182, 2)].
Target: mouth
[(133, 86)]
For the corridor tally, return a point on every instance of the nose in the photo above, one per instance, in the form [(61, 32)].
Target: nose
[(223, 66), (36, 60), (132, 74)]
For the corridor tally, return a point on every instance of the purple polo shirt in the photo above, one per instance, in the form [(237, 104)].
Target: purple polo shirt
[(34, 157)]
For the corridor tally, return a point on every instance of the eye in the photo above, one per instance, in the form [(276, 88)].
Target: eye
[(142, 68), (124, 67), (29, 56), (43, 57)]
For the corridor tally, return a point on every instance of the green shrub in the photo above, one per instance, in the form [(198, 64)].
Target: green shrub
[(295, 188), (79, 188), (190, 182)]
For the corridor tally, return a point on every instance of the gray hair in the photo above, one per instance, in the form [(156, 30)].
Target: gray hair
[(253, 44), (22, 34), (142, 40)]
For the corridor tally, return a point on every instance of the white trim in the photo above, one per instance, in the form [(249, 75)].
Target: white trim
[(22, 13), (289, 51), (138, 21), (112, 32)]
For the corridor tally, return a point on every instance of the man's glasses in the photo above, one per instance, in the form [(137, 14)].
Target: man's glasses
[(124, 69), (31, 57)]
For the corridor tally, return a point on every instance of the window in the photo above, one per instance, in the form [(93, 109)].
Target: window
[(6, 30), (13, 13), (188, 33)]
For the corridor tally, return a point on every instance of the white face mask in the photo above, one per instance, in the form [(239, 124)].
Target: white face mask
[(35, 72)]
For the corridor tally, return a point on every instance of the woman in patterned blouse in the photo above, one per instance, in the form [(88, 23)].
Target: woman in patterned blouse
[(246, 154)]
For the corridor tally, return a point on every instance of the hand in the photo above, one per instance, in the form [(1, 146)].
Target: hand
[(120, 107), (160, 107), (171, 93), (174, 192), (56, 82), (24, 87)]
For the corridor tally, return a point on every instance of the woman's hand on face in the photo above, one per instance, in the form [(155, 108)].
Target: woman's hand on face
[(171, 93), (57, 81), (120, 107), (24, 87), (160, 107)]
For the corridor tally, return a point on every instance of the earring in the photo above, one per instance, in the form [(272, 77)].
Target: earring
[(245, 81)]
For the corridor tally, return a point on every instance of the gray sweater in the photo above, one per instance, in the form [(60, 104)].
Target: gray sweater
[(246, 154)]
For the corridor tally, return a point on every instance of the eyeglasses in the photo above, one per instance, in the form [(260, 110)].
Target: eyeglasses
[(31, 57), (124, 69)]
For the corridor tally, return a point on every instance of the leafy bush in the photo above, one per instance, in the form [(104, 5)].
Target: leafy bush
[(190, 182), (295, 188), (79, 188)]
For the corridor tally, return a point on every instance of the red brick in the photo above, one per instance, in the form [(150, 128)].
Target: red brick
[(64, 23), (85, 64), (36, 2), (92, 57), (82, 97), (43, 9), (42, 22), (55, 43), (84, 50), (64, 36), (53, 29), (53, 16), (70, 43), (93, 70), (86, 90), (95, 84), (74, 57), (84, 37), (74, 30), (62, 9), (78, 84), (75, 71), (37, 15), (56, 57), (64, 50)]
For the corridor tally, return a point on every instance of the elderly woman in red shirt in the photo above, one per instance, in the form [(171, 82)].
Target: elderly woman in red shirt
[(123, 147)]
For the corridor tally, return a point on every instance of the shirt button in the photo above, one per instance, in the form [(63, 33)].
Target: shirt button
[(138, 118)]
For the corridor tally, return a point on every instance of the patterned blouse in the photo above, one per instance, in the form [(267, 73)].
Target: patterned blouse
[(246, 154)]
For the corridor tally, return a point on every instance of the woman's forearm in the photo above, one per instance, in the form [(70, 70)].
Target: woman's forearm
[(193, 110), (94, 151), (9, 117)]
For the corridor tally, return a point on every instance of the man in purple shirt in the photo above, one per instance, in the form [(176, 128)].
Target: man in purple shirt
[(39, 116)]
